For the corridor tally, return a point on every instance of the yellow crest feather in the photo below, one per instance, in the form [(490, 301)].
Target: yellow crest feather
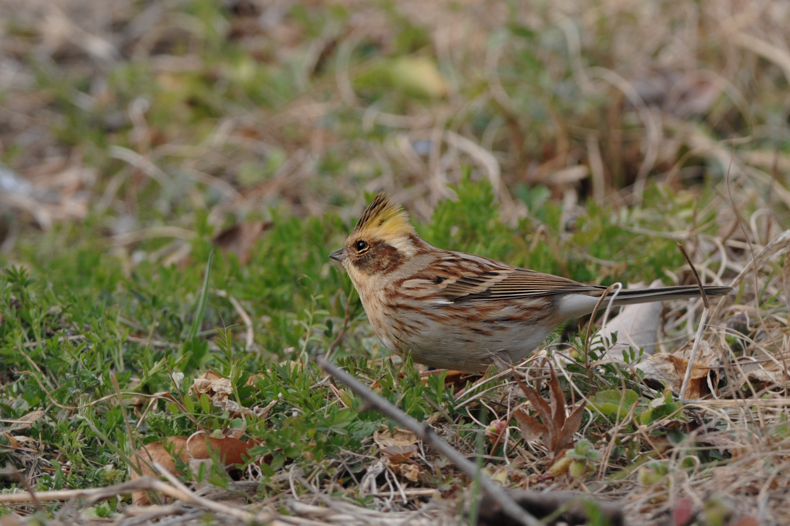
[(383, 219)]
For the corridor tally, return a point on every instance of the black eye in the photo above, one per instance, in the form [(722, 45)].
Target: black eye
[(361, 246)]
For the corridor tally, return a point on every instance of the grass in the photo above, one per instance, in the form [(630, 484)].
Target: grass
[(578, 138)]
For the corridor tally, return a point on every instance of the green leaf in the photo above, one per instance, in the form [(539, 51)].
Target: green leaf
[(614, 404), (661, 412)]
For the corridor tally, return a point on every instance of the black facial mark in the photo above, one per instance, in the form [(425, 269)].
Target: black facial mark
[(378, 258)]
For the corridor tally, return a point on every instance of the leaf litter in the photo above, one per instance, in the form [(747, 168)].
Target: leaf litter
[(736, 406)]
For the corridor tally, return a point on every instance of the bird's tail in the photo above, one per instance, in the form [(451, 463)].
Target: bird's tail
[(633, 296), (573, 305)]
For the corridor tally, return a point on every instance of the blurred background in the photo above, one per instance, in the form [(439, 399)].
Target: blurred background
[(578, 137), (124, 115)]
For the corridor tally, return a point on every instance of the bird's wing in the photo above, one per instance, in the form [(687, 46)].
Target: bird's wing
[(464, 277)]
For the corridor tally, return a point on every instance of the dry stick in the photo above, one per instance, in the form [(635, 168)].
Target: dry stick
[(696, 274), (700, 329), (188, 496), (177, 491), (93, 494), (424, 432), (26, 485), (694, 349), (591, 324), (779, 244)]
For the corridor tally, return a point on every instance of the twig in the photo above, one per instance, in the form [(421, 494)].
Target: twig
[(591, 324), (427, 435), (779, 244), (187, 495), (696, 274), (702, 323), (91, 494), (26, 485), (697, 339)]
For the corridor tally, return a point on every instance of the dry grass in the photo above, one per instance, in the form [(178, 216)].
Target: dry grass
[(135, 115)]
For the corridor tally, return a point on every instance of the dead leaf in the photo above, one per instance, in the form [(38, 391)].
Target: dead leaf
[(199, 446), (25, 421), (212, 384), (670, 369), (557, 430), (219, 389), (411, 471), (531, 428), (398, 454), (398, 437), (770, 371), (398, 447), (240, 238)]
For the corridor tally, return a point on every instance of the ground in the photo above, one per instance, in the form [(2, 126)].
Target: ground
[(175, 174)]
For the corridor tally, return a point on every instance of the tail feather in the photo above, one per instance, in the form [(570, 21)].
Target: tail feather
[(633, 296), (575, 305)]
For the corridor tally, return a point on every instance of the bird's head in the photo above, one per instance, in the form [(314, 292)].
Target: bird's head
[(381, 242)]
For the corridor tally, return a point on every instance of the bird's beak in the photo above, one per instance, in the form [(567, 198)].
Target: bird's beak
[(339, 255)]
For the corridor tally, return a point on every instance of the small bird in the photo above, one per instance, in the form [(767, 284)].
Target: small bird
[(458, 311)]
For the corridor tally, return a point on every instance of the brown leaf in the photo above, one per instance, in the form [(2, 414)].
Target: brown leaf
[(397, 447), (398, 437), (211, 384), (670, 369), (398, 454), (411, 471), (556, 432), (231, 451), (25, 421), (572, 424), (770, 370), (538, 403), (219, 389), (240, 238), (556, 400), (529, 425)]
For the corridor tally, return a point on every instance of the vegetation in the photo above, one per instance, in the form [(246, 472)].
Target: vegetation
[(174, 176)]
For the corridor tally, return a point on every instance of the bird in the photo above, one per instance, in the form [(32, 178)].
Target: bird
[(459, 311)]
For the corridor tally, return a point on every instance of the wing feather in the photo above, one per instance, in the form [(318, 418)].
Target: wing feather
[(471, 278)]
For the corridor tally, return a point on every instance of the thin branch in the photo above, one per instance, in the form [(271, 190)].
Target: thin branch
[(92, 494), (427, 435), (188, 496), (696, 274), (702, 323)]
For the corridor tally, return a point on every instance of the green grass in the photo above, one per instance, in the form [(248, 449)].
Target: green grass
[(70, 314), (112, 274)]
